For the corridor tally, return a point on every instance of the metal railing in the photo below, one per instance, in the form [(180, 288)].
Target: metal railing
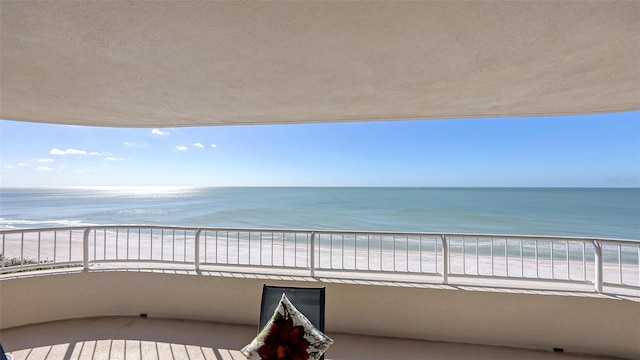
[(600, 262)]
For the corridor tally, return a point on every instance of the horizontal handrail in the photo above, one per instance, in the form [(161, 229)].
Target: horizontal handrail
[(346, 232), (600, 261)]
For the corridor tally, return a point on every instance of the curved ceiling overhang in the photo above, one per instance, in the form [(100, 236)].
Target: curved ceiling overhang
[(187, 63)]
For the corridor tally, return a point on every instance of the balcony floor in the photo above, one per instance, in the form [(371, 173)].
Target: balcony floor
[(152, 338)]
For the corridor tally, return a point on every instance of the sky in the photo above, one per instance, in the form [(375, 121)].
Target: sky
[(564, 151)]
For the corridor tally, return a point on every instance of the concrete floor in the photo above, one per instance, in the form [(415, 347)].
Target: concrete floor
[(150, 338)]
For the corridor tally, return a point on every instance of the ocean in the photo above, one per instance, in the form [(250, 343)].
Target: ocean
[(583, 212)]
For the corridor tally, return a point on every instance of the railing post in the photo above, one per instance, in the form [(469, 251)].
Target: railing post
[(312, 255), (445, 260), (196, 246), (85, 249), (599, 276)]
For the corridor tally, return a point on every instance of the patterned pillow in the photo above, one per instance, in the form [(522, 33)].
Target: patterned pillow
[(287, 335)]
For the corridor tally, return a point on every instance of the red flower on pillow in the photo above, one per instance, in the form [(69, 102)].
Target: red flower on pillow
[(284, 342)]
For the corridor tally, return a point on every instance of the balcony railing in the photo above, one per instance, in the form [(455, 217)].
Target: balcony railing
[(600, 262)]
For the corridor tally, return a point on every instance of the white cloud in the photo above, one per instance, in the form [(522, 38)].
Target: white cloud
[(181, 148), (22, 164), (111, 158), (44, 168), (84, 170), (214, 145), (159, 132), (76, 152), (199, 145), (55, 151), (9, 166), (45, 160)]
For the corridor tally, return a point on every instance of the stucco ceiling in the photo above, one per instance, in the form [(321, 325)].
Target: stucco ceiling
[(187, 63)]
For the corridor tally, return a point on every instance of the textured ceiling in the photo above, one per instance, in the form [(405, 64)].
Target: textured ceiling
[(186, 63)]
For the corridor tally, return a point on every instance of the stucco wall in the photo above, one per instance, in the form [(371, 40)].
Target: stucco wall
[(580, 324)]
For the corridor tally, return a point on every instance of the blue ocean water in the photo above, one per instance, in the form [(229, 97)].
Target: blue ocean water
[(601, 212)]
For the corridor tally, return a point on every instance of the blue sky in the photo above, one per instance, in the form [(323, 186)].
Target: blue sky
[(581, 151)]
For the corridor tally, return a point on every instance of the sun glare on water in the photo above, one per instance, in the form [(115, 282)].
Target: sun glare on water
[(141, 190)]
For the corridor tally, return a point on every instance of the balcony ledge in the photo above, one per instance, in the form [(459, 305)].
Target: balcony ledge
[(428, 315)]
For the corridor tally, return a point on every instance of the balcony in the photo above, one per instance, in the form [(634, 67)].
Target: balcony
[(387, 294)]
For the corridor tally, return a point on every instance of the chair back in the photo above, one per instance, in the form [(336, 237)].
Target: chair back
[(308, 300)]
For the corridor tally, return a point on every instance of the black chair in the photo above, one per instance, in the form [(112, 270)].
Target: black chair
[(308, 300)]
